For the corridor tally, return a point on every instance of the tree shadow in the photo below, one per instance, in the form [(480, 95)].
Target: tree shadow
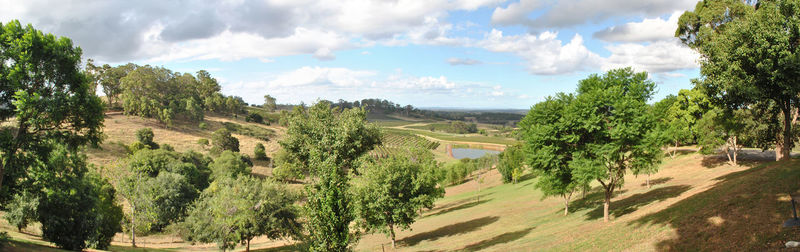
[(713, 161), (658, 181), (464, 205), (449, 230), (500, 239), (632, 203), (744, 211)]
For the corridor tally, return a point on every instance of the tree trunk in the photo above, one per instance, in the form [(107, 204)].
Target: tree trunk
[(391, 232), (728, 150), (787, 134), (248, 246), (606, 205), (648, 180), (133, 224), (735, 150), (674, 151), (566, 203)]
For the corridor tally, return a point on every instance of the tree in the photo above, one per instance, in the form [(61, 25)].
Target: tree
[(511, 160), (613, 129), (43, 89), (551, 143), (671, 129), (721, 128), (330, 143), (259, 152), (228, 164), (236, 210), (221, 140), (751, 58), (21, 211), (392, 190), (75, 207), (145, 136), (269, 103)]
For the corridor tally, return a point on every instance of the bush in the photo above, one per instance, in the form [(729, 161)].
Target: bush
[(21, 211), (260, 153), (223, 141), (511, 161), (145, 136), (137, 146), (254, 117), (202, 141), (167, 147), (202, 126), (228, 164)]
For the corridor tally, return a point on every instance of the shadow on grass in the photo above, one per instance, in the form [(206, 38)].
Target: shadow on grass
[(463, 205), (744, 211), (630, 204), (658, 181), (449, 230), (497, 240)]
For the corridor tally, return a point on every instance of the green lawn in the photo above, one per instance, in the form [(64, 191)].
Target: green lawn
[(459, 137)]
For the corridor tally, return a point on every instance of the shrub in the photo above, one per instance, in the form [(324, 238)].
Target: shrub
[(167, 147), (145, 136), (136, 146), (21, 211), (202, 141), (223, 141), (260, 152), (228, 164), (254, 117), (202, 126)]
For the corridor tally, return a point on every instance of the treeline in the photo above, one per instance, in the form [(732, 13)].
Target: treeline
[(160, 93), (385, 107)]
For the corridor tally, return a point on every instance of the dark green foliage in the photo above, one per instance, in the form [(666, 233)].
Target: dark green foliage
[(457, 172), (329, 143), (64, 109), (459, 127), (229, 164), (21, 211), (269, 103), (167, 147), (76, 208), (202, 141), (260, 153), (254, 117), (202, 126), (222, 140), (392, 190), (236, 210), (145, 136), (511, 160)]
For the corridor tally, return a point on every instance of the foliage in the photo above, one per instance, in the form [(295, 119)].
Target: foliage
[(202, 126), (720, 128), (329, 142), (236, 210), (254, 117), (286, 170), (63, 110), (459, 127), (202, 141), (260, 153), (749, 59), (391, 191), (110, 78), (228, 164), (75, 207), (512, 160), (269, 103), (222, 140), (21, 211), (145, 136)]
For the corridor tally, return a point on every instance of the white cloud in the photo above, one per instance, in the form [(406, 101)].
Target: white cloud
[(426, 83), (647, 30), (463, 61), (324, 54), (656, 57), (321, 76), (545, 54), (567, 13)]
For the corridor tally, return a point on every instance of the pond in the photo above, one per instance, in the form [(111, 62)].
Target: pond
[(460, 153)]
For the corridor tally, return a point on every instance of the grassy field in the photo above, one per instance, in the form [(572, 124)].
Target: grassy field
[(477, 138)]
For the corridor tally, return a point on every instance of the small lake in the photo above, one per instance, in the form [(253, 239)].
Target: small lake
[(460, 153)]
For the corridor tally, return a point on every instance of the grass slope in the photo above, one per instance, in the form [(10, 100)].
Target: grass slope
[(696, 203)]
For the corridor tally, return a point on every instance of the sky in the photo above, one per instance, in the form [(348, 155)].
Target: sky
[(483, 54)]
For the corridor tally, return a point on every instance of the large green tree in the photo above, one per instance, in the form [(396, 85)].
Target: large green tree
[(551, 142), (614, 129), (329, 143), (44, 95), (236, 210), (750, 56), (269, 103), (392, 190)]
